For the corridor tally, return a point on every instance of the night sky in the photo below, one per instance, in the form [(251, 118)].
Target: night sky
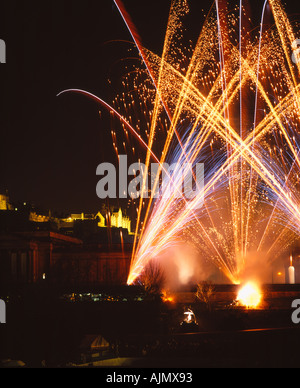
[(49, 146)]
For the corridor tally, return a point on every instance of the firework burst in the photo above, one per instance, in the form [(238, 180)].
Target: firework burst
[(230, 101)]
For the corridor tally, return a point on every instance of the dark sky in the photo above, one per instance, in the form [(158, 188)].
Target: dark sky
[(49, 146)]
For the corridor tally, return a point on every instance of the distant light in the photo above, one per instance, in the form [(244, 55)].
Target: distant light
[(44, 276), (279, 273), (16, 209)]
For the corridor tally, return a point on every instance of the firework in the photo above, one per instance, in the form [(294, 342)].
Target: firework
[(250, 296), (230, 101)]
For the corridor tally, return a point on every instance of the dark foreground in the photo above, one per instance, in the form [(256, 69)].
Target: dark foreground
[(43, 330)]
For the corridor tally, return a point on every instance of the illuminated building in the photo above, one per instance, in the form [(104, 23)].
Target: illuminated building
[(34, 217), (113, 220), (82, 249), (4, 202), (118, 220)]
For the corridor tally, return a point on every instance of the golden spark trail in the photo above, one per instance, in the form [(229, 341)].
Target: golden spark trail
[(233, 103)]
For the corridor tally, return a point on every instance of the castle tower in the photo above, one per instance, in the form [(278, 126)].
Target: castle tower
[(4, 202)]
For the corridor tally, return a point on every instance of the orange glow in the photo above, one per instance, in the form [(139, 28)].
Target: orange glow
[(167, 298), (199, 88), (250, 295)]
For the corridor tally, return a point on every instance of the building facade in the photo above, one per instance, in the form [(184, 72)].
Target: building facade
[(83, 249)]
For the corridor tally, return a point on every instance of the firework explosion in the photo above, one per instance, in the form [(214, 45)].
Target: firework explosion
[(230, 101)]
